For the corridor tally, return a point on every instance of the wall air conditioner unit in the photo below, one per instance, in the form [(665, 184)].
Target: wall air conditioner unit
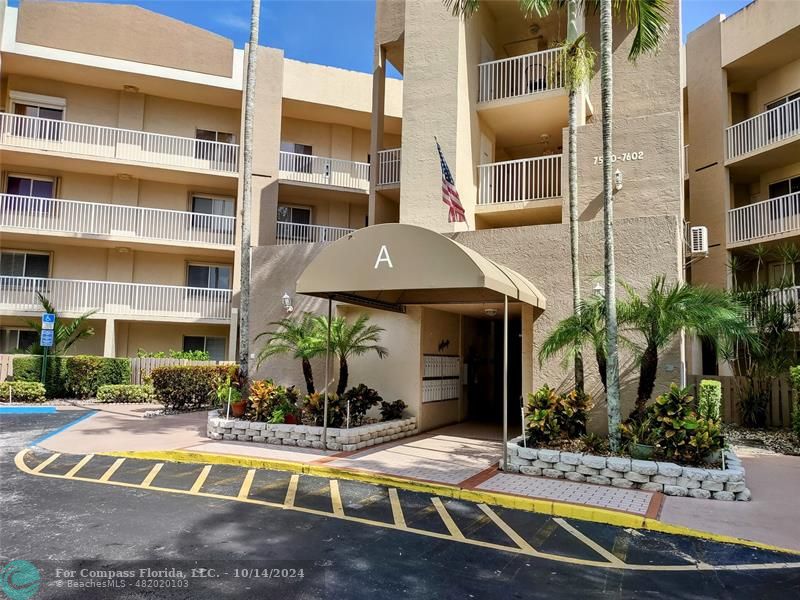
[(698, 240)]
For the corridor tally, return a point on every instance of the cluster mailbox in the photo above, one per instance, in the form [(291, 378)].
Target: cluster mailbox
[(441, 378)]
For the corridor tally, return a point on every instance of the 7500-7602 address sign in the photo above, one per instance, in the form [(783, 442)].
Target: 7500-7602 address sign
[(623, 157)]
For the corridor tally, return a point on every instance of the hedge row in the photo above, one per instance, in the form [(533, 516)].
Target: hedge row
[(188, 387), (73, 376), (22, 391), (125, 393)]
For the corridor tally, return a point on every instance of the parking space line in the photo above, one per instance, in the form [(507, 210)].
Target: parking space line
[(291, 492), (201, 479), (397, 510), (152, 475), (448, 520), (589, 542), (112, 469), (336, 499), (506, 528), (38, 468), (244, 491), (73, 471)]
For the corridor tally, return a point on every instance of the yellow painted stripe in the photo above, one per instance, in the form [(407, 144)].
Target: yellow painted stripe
[(291, 492), (448, 520), (336, 499), (201, 479), (38, 468), (506, 528), (112, 469), (244, 491), (589, 542), (74, 470), (151, 475), (397, 510)]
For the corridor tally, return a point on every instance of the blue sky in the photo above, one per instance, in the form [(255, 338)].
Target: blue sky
[(332, 32)]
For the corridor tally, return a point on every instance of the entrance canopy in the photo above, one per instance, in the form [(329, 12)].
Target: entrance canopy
[(388, 266)]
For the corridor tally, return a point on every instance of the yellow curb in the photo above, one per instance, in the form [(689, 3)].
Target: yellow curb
[(535, 505)]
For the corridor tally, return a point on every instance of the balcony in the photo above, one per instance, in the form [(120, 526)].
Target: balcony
[(769, 219), (111, 299), (325, 172), (297, 233), (389, 167), (131, 223), (521, 76), (112, 144), (767, 141)]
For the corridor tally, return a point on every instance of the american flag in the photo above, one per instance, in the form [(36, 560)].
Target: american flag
[(449, 192)]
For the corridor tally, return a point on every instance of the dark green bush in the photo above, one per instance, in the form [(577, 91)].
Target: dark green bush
[(266, 397), (314, 408), (22, 391), (360, 399), (188, 387), (85, 374), (125, 393), (794, 376), (29, 368), (391, 411), (551, 415)]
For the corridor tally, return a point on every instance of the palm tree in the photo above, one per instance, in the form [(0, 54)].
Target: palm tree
[(735, 266), (666, 310), (790, 254), (760, 254), (247, 191), (350, 340), (64, 336), (586, 326), (298, 337)]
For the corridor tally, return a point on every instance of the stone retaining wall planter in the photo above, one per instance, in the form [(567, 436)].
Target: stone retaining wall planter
[(617, 471), (309, 436)]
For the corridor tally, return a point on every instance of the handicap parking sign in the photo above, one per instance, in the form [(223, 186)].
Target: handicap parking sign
[(48, 320), (46, 338)]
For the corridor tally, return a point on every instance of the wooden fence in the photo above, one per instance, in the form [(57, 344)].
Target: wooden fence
[(6, 366), (779, 409)]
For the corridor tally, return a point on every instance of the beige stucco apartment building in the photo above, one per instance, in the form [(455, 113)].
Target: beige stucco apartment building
[(121, 179), (743, 134)]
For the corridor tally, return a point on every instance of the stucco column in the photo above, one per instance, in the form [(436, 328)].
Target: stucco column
[(376, 124), (110, 343)]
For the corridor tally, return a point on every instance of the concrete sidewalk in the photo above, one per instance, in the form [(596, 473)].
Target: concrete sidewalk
[(464, 456)]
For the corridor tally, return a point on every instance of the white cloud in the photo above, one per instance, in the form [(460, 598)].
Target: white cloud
[(234, 21)]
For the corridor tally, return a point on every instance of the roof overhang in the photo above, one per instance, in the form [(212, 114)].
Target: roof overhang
[(392, 265)]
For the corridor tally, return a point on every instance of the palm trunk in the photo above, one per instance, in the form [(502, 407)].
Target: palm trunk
[(572, 34), (601, 367), (308, 375), (612, 359), (247, 187), (647, 377), (343, 375)]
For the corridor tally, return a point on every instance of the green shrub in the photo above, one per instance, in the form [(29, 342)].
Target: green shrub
[(314, 407), (181, 354), (22, 391), (125, 393), (360, 399), (29, 368), (268, 398), (188, 387), (85, 374), (391, 411), (552, 415), (794, 377), (796, 419), (709, 402)]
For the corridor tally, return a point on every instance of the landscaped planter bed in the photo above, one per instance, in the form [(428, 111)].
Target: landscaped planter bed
[(309, 436), (621, 472)]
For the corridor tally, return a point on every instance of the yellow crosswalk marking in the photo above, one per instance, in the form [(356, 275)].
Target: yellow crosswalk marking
[(336, 499), (152, 475), (244, 491), (589, 542), (79, 466), (112, 469), (201, 479), (291, 492), (448, 520), (506, 528), (397, 510), (45, 462)]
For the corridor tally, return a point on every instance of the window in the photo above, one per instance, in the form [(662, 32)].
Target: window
[(300, 215), (24, 192), (24, 264), (216, 277), (219, 155), (784, 187), (211, 205), (47, 108), (215, 346), (786, 123), (300, 160), (17, 339)]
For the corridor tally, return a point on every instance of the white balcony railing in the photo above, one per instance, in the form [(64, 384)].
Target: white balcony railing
[(297, 233), (114, 220), (520, 180), (763, 219), (389, 167), (116, 299), (771, 126), (521, 75), (324, 171), (117, 144)]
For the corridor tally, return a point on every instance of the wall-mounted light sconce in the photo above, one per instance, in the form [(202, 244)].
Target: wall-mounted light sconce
[(598, 289), (286, 300), (617, 180)]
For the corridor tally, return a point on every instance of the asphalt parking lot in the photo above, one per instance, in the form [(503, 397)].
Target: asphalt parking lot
[(264, 531)]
